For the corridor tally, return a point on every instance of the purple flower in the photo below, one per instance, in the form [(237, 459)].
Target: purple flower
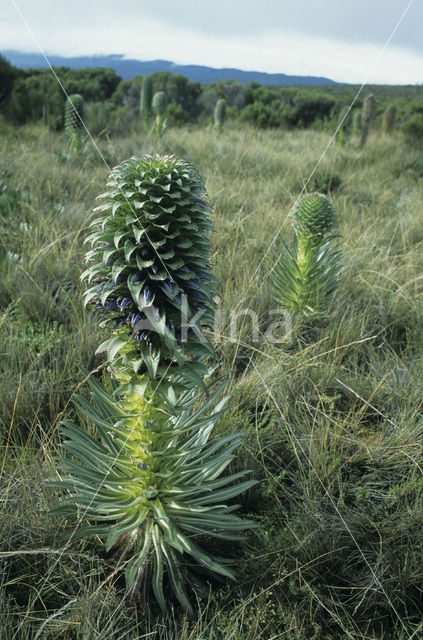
[(147, 295), (192, 283), (134, 318), (124, 303), (119, 321), (111, 305), (196, 295), (167, 285)]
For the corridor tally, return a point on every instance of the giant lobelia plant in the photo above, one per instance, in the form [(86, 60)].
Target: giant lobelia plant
[(149, 478), (74, 122), (306, 278)]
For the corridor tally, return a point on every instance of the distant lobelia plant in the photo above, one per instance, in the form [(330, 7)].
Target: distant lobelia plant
[(220, 114), (146, 99), (388, 119), (149, 479), (306, 279), (356, 121), (159, 108), (367, 116), (74, 122), (344, 124)]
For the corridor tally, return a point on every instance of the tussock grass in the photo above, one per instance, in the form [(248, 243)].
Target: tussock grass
[(332, 419)]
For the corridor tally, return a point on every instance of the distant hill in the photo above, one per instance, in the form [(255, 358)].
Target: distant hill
[(128, 69)]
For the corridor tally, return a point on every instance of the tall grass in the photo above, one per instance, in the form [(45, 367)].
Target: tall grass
[(332, 420)]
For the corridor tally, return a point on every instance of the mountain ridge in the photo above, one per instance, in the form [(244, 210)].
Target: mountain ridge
[(129, 68)]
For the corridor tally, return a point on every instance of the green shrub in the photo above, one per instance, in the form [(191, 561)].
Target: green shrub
[(146, 99), (412, 129), (325, 181)]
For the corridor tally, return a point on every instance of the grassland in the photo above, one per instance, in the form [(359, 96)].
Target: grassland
[(332, 419)]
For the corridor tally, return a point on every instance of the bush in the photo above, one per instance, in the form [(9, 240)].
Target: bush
[(413, 129)]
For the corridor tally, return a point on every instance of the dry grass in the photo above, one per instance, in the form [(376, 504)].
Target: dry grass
[(332, 421)]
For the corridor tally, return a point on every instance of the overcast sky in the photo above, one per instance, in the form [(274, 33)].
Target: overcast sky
[(339, 39)]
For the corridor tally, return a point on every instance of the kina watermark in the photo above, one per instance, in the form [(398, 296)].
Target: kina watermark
[(274, 327)]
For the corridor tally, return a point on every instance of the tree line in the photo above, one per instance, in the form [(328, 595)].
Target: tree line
[(113, 103)]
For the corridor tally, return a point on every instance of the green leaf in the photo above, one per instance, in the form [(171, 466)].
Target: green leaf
[(118, 530), (158, 569), (129, 249), (137, 564), (115, 345)]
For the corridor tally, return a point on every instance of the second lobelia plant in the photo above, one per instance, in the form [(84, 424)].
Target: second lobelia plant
[(306, 278), (149, 477), (159, 105), (367, 116), (220, 114), (74, 122), (388, 119)]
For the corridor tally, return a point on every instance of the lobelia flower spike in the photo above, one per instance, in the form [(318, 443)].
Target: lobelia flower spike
[(159, 108), (306, 279), (74, 119), (150, 274), (314, 216), (220, 114), (149, 479)]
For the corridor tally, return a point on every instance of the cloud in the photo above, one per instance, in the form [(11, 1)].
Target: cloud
[(341, 41), (360, 21)]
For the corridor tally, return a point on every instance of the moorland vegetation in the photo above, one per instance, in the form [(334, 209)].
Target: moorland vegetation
[(329, 413)]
